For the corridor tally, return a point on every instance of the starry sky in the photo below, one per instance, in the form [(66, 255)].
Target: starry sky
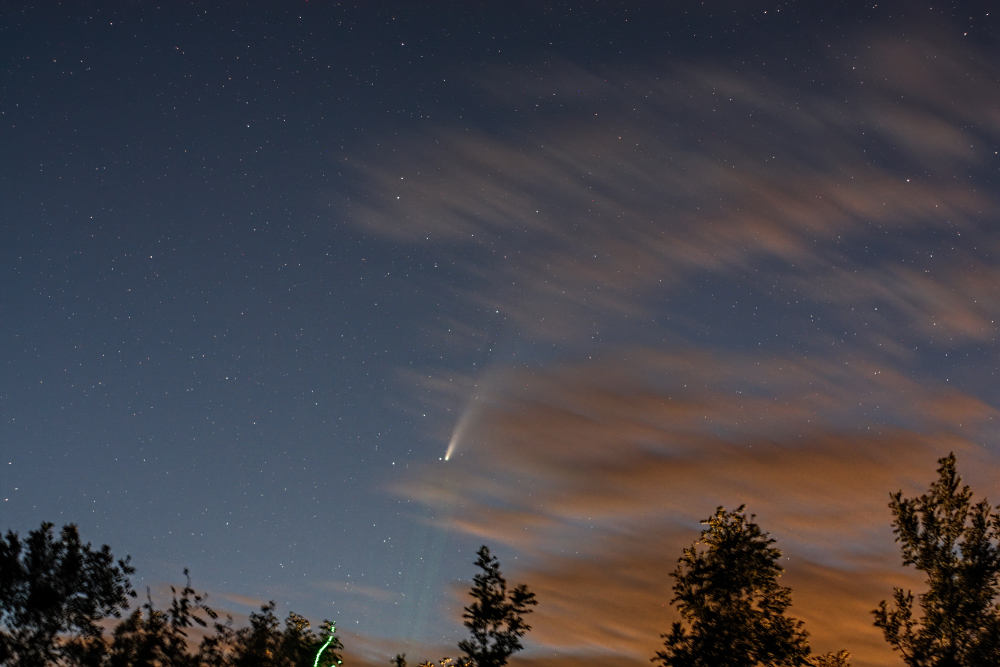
[(262, 265)]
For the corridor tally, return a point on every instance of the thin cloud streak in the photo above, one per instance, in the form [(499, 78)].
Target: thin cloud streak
[(690, 171), (605, 227), (600, 484)]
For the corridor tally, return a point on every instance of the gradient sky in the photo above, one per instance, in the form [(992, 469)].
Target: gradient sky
[(261, 263)]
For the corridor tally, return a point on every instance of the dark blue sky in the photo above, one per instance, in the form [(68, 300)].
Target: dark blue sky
[(260, 263)]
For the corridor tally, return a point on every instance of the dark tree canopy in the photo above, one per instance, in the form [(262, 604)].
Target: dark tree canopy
[(496, 617), (150, 637), (955, 543), (53, 591), (838, 659), (729, 596), (264, 644)]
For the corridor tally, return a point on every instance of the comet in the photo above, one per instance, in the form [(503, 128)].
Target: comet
[(460, 428)]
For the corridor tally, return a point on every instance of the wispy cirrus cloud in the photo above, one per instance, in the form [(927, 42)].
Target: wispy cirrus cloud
[(696, 170), (745, 289), (598, 474)]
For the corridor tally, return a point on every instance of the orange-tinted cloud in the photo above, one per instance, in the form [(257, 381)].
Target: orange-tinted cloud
[(598, 474), (596, 465), (693, 170)]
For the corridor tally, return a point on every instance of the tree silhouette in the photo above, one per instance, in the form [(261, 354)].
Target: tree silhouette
[(496, 618), (326, 655), (150, 637), (729, 595), (838, 659), (956, 544), (263, 644), (52, 593), (443, 662)]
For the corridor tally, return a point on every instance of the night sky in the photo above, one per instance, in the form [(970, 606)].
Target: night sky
[(262, 265)]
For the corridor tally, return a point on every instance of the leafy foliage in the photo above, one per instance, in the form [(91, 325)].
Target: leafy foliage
[(838, 659), (447, 662), (153, 638), (263, 644), (956, 544), (53, 591), (496, 618), (729, 595)]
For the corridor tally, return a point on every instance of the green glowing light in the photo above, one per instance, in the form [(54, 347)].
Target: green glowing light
[(329, 640)]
